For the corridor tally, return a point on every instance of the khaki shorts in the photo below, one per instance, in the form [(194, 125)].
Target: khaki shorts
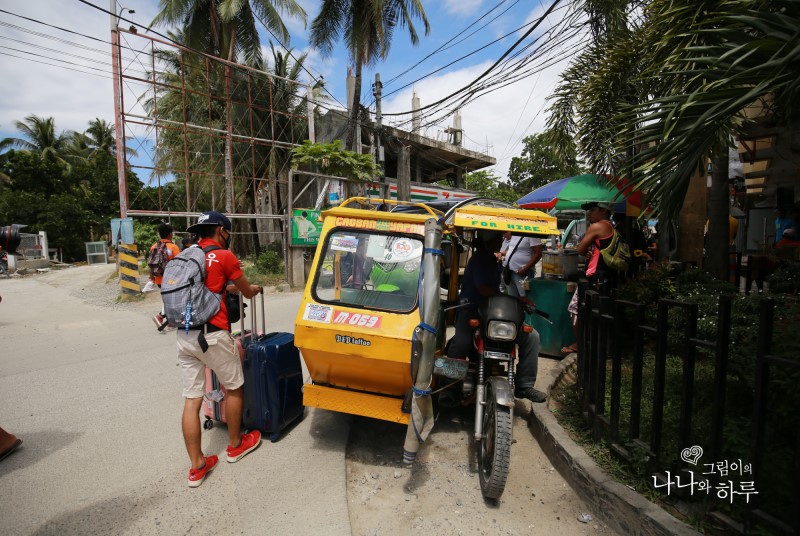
[(222, 357)]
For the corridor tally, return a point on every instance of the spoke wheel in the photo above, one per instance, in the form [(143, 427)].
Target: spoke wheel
[(494, 451)]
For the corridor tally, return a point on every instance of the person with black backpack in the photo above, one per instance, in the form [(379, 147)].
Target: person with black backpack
[(160, 254), (193, 289)]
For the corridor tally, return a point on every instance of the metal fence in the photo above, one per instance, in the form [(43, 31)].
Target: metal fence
[(31, 247), (622, 377)]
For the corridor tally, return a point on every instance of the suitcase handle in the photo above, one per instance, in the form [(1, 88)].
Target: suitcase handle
[(253, 315)]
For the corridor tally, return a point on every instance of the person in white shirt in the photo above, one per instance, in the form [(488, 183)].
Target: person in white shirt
[(521, 256)]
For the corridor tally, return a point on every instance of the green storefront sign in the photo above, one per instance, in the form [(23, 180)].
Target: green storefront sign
[(306, 227)]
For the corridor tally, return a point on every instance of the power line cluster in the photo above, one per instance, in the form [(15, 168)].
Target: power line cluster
[(513, 66)]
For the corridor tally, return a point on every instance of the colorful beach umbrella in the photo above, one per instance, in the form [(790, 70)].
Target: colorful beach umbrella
[(572, 192)]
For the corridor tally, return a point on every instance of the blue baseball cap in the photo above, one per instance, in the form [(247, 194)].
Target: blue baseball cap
[(210, 218)]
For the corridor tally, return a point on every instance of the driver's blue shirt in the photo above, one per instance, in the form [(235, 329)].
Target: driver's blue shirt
[(482, 270)]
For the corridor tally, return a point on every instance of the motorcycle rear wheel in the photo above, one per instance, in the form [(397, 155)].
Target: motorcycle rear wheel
[(494, 451)]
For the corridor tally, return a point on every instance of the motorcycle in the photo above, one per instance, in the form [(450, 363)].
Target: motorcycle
[(487, 380)]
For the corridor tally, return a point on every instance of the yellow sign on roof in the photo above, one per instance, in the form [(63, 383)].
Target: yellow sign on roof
[(518, 221)]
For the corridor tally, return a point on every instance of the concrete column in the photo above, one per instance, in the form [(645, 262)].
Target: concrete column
[(297, 277), (404, 174), (459, 178)]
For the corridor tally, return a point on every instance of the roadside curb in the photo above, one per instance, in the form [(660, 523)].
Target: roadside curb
[(619, 507)]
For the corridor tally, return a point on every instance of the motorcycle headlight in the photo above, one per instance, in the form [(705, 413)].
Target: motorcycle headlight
[(501, 331)]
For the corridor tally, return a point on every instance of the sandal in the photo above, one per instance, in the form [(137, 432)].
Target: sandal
[(571, 349), (10, 449)]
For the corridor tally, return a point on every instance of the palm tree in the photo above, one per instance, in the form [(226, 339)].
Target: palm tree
[(367, 27), (660, 116), (227, 28), (39, 136)]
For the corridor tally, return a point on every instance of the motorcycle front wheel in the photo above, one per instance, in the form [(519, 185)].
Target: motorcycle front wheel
[(494, 451)]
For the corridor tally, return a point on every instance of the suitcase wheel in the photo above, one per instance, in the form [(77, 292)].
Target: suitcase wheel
[(208, 424)]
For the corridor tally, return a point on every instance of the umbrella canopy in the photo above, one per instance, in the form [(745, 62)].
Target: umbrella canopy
[(572, 192)]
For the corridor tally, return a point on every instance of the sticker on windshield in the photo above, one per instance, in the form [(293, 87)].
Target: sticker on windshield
[(318, 313), (357, 319), (344, 243), (402, 248)]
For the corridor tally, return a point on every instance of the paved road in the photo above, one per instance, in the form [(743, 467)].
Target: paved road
[(94, 392)]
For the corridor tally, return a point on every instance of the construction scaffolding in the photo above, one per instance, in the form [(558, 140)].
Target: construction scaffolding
[(203, 133)]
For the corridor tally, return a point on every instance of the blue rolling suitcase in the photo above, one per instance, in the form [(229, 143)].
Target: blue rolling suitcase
[(273, 381)]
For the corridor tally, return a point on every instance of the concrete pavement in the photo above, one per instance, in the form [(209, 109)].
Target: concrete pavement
[(95, 395)]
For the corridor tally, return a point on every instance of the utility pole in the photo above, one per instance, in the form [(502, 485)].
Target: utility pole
[(122, 177), (376, 91)]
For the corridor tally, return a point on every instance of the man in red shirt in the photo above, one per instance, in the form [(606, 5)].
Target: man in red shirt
[(221, 354), (165, 233)]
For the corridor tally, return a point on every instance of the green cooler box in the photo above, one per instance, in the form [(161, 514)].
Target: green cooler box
[(552, 296)]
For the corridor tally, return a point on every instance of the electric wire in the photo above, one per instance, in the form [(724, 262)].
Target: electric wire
[(54, 65), (493, 66), (149, 29), (442, 47), (127, 69), (534, 24), (508, 73)]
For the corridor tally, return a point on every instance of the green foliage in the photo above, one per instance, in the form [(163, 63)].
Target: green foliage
[(649, 286), (786, 279), (333, 159), (487, 184), (540, 164), (64, 184), (269, 262), (145, 235)]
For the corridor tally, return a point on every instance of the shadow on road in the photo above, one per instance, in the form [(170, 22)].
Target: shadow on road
[(37, 446), (109, 517)]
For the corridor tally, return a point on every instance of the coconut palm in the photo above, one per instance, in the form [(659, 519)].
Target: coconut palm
[(39, 136), (227, 28), (658, 117), (366, 27)]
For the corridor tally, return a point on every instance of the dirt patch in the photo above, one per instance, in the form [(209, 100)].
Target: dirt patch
[(440, 493)]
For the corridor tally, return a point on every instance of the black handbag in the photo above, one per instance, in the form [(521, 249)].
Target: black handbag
[(232, 305)]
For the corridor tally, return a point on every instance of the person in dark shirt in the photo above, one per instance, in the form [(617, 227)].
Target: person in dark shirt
[(481, 280)]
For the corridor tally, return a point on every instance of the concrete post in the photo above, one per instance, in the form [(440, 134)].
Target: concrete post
[(404, 174)]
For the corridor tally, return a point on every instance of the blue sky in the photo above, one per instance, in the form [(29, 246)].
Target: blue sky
[(494, 123)]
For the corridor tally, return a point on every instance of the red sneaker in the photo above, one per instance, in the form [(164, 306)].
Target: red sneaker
[(196, 476), (250, 442)]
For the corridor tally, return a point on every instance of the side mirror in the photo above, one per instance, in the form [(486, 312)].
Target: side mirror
[(9, 237)]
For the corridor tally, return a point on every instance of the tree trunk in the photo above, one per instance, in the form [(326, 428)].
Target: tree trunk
[(692, 220), (718, 239)]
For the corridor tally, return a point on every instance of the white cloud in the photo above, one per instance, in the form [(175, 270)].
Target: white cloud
[(58, 90), (462, 7), (496, 122)]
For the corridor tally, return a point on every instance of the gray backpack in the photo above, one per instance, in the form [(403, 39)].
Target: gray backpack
[(188, 303)]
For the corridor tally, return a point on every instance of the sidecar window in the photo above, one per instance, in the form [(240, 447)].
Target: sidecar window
[(369, 270)]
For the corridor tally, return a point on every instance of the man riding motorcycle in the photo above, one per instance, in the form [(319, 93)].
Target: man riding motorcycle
[(481, 280)]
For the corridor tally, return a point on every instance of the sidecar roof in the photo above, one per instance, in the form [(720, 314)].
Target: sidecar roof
[(518, 221)]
